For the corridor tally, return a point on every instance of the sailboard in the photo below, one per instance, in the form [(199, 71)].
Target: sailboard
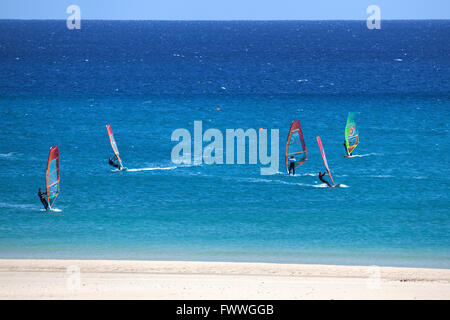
[(322, 152), (114, 144), (52, 176), (295, 145), (351, 133)]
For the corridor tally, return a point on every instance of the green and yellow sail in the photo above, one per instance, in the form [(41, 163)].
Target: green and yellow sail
[(351, 132)]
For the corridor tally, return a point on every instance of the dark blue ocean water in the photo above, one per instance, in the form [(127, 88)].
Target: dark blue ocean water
[(146, 79)]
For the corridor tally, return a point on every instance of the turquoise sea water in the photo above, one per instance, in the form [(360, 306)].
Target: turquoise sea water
[(146, 79)]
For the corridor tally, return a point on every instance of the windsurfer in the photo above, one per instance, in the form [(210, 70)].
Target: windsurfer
[(41, 197), (346, 150), (292, 165), (321, 175), (113, 163)]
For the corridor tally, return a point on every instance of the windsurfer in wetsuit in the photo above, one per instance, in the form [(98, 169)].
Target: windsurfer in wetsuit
[(292, 165), (113, 163), (41, 197), (321, 175)]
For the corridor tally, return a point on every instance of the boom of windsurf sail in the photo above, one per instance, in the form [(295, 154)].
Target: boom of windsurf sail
[(322, 152), (52, 176), (113, 144), (295, 145), (351, 133)]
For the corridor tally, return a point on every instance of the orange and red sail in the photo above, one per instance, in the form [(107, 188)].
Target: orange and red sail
[(295, 145), (113, 144), (322, 152), (52, 176)]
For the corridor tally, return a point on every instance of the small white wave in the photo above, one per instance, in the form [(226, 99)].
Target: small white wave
[(322, 185), (151, 169), (7, 155), (302, 175), (52, 210), (363, 155), (341, 185), (293, 183), (381, 176), (16, 205), (297, 174), (255, 180), (275, 181), (187, 165)]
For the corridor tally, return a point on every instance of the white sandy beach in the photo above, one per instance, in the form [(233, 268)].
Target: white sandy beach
[(101, 279)]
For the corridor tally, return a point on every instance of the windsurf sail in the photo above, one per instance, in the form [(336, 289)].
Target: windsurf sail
[(295, 145), (52, 176), (351, 133), (322, 152), (114, 144)]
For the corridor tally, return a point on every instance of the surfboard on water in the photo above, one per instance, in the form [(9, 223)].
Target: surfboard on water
[(112, 140), (52, 176), (351, 132), (295, 145), (322, 152)]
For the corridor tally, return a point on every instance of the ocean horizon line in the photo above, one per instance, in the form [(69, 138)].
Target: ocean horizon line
[(226, 20)]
